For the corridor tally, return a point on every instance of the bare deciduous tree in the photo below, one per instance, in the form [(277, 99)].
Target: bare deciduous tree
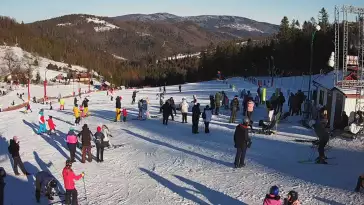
[(28, 61), (11, 62)]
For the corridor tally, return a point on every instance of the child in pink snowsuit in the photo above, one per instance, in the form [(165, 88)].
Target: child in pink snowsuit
[(81, 110), (273, 197)]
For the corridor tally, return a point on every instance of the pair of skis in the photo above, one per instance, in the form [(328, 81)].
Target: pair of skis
[(312, 161)]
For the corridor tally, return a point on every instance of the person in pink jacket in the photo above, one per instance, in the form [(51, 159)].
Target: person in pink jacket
[(250, 109), (72, 143), (69, 184), (273, 197)]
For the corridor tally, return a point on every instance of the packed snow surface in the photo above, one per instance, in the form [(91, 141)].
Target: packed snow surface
[(160, 164), (103, 25)]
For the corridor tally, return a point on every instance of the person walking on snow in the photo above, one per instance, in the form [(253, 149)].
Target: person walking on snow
[(99, 141), (195, 118), (61, 104), (173, 105), (118, 107), (106, 132), (71, 196), (133, 96), (76, 113), (72, 143), (180, 88), (257, 100), (206, 116), (273, 197), (75, 101), (184, 110), (45, 183), (234, 109), (292, 199), (167, 111), (42, 125), (212, 103), (27, 107), (242, 142), (85, 136), (14, 151), (51, 125)]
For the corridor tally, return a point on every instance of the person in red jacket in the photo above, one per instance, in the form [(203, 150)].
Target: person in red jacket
[(125, 114), (69, 184), (51, 125)]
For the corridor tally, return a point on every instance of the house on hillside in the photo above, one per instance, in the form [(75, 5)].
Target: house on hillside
[(335, 98)]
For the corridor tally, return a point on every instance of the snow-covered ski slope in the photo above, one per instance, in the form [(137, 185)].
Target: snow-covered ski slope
[(169, 165)]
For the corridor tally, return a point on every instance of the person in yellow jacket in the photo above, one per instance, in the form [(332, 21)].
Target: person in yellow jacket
[(76, 113), (61, 104)]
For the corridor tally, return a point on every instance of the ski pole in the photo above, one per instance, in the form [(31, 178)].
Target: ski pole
[(84, 188)]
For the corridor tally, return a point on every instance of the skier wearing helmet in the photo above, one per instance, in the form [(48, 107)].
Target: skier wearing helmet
[(292, 199), (273, 197), (45, 183), (69, 184), (99, 141), (242, 142)]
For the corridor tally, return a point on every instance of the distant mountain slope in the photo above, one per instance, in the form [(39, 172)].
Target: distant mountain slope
[(233, 26)]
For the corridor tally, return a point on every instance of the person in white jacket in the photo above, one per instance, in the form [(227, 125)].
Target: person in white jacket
[(184, 110), (207, 115)]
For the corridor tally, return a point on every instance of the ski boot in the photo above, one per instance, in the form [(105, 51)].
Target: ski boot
[(321, 161)]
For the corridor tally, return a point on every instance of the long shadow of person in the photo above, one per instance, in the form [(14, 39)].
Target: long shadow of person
[(48, 139), (213, 196), (182, 191)]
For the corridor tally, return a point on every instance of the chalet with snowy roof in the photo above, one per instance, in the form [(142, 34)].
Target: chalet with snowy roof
[(338, 97)]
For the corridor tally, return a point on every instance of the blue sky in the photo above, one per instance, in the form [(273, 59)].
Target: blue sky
[(270, 11)]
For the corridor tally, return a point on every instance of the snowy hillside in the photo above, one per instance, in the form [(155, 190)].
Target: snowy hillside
[(158, 164), (102, 25)]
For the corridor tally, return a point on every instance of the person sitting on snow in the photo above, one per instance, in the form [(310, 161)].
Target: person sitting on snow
[(45, 183), (273, 197)]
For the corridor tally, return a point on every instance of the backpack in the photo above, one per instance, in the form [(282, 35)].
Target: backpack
[(203, 115)]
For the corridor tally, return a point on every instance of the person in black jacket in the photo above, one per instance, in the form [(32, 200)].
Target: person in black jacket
[(242, 142), (173, 106), (212, 103), (281, 101), (180, 88), (85, 135), (167, 111), (196, 112), (99, 141), (324, 138), (14, 151), (75, 101), (118, 108)]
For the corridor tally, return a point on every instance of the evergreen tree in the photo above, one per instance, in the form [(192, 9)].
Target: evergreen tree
[(324, 20), (284, 30)]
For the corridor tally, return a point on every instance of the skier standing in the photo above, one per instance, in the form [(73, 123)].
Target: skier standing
[(281, 100), (51, 125), (140, 109), (250, 109), (69, 184), (85, 106), (173, 105), (99, 141), (217, 102), (118, 107), (324, 137), (195, 118), (85, 135), (76, 113), (72, 143), (184, 110), (125, 114), (212, 103), (273, 197), (167, 111), (180, 88), (234, 109), (292, 198), (42, 125), (44, 183), (14, 151), (242, 142), (207, 115), (133, 96), (61, 104), (75, 101)]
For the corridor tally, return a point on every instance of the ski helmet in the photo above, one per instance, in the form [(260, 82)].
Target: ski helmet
[(68, 163), (274, 190), (293, 195), (53, 183)]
